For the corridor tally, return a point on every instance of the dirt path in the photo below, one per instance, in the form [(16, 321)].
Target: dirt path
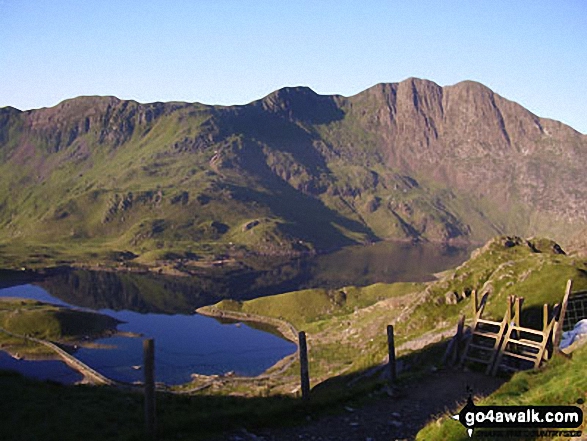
[(386, 418)]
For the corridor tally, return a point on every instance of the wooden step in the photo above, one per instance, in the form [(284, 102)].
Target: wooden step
[(489, 322), (484, 348), (487, 334), (522, 357), (527, 330), (529, 343)]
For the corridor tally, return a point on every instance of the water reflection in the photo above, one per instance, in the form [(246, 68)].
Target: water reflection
[(359, 265), (161, 307), (184, 344), (385, 262)]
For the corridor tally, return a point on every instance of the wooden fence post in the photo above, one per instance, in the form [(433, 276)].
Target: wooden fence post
[(391, 350), (458, 341), (304, 371), (149, 366), (558, 333)]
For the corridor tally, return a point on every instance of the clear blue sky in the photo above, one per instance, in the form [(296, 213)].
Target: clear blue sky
[(235, 51)]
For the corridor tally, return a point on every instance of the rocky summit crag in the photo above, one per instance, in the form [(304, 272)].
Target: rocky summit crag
[(291, 172)]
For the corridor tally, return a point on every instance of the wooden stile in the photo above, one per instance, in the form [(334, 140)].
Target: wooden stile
[(513, 344)]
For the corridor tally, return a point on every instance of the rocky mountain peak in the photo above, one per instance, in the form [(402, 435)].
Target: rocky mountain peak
[(303, 104), (8, 110)]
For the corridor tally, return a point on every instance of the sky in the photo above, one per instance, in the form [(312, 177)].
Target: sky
[(226, 52)]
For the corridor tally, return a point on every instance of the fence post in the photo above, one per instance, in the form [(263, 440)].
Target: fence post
[(459, 340), (304, 371), (391, 350), (558, 334), (149, 366)]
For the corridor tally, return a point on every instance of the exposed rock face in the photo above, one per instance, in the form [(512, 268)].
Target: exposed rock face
[(579, 244), (470, 138), (409, 160)]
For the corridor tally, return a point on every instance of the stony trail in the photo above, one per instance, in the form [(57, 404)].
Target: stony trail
[(396, 417)]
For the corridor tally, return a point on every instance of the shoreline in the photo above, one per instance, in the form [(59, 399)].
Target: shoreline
[(199, 381), (89, 375), (287, 330)]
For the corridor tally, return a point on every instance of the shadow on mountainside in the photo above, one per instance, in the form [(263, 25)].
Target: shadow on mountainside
[(279, 132), (307, 216)]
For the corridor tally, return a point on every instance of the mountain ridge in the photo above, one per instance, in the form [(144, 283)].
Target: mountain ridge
[(285, 88), (293, 171)]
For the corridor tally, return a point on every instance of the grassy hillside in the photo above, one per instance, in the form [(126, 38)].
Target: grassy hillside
[(536, 269), (311, 305), (347, 328), (561, 382), (31, 410), (346, 335), (47, 322)]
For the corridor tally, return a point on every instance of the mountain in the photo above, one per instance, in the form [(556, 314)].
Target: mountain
[(291, 172)]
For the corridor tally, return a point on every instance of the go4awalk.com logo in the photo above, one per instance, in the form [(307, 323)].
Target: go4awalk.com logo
[(513, 418)]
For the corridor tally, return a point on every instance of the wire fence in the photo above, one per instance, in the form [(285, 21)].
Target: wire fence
[(576, 309)]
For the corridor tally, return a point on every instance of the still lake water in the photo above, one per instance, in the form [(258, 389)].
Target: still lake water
[(161, 307), (184, 344)]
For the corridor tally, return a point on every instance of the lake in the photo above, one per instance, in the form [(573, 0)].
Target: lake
[(184, 344), (161, 307)]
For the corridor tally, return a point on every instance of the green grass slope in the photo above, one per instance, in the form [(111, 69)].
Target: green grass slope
[(561, 382), (346, 335), (346, 327), (312, 305), (40, 320)]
